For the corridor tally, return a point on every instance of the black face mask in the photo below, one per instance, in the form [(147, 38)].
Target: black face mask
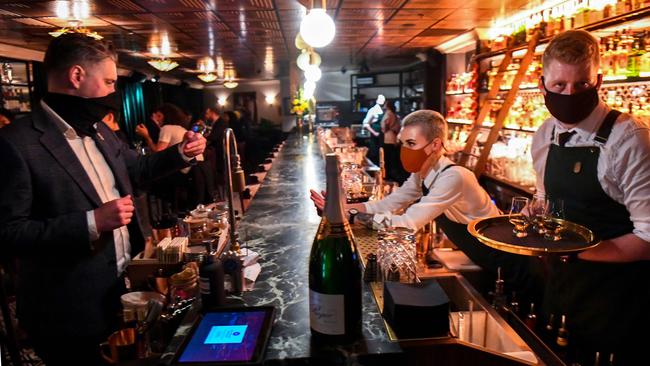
[(82, 113), (573, 108)]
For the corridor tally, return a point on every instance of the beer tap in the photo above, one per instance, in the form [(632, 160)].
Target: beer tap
[(236, 181)]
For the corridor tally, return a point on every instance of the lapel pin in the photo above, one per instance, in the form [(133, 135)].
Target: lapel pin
[(100, 136)]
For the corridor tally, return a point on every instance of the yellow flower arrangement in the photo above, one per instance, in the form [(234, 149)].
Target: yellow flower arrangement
[(300, 105)]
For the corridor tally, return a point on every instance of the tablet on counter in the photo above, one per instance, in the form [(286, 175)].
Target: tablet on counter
[(228, 336)]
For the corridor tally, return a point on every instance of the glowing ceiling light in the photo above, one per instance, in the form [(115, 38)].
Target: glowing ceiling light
[(63, 9), (313, 73), (207, 77), (308, 89), (165, 46), (79, 30), (163, 64), (205, 65), (307, 58), (230, 84), (317, 28)]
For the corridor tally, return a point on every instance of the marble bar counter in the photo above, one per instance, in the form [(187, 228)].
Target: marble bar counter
[(283, 216)]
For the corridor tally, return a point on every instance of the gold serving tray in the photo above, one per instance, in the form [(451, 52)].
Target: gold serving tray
[(496, 232)]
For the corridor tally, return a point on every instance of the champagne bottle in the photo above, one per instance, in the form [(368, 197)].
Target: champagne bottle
[(334, 271)]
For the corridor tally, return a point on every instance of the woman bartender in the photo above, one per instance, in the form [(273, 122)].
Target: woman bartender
[(438, 189), (598, 161)]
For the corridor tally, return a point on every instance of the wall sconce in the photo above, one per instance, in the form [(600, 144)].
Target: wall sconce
[(270, 99), (222, 101)]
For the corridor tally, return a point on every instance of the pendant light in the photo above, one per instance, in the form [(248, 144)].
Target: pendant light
[(317, 28)]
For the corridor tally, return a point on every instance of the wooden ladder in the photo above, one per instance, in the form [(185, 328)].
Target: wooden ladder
[(509, 100)]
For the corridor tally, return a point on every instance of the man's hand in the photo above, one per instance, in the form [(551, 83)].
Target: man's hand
[(114, 214), (318, 199), (141, 130), (194, 144)]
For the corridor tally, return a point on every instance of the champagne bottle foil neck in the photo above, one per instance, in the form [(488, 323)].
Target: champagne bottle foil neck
[(332, 164)]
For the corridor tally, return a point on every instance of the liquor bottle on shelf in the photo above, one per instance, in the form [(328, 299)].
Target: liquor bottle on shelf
[(549, 328), (531, 318), (334, 271), (562, 340)]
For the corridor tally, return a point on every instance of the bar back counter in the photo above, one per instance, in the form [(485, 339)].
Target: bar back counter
[(284, 220)]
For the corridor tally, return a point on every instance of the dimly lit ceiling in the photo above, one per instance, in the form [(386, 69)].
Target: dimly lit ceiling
[(255, 35)]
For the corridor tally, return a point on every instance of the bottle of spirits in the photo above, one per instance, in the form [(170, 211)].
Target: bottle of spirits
[(334, 271), (562, 339), (531, 318)]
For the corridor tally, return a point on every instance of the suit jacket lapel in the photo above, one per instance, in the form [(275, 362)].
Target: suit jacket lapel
[(55, 143), (112, 156)]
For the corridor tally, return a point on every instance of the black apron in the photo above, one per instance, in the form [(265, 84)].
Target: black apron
[(518, 272), (605, 304)]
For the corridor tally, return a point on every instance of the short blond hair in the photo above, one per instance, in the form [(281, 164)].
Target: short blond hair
[(431, 123), (573, 47)]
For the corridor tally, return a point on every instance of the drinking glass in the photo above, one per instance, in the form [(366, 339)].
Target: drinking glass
[(536, 210), (517, 216), (554, 219)]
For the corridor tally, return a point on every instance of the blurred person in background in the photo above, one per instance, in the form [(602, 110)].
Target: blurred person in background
[(6, 117), (390, 127), (372, 123)]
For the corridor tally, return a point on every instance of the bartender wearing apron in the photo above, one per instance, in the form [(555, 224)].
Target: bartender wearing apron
[(598, 161), (439, 190)]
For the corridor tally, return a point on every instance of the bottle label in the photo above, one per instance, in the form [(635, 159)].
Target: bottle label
[(204, 285), (326, 313), (335, 231)]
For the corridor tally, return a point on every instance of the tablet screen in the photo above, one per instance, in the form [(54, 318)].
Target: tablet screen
[(229, 336)]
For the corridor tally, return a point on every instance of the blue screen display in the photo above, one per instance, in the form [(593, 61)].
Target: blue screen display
[(227, 336)]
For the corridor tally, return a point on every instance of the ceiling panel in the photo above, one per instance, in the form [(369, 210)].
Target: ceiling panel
[(356, 4), (421, 14), (242, 30), (365, 14)]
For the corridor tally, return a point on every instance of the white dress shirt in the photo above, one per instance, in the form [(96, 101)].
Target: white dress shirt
[(623, 166), (103, 181), (373, 115), (454, 192)]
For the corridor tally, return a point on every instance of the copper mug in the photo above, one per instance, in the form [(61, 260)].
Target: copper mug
[(121, 346)]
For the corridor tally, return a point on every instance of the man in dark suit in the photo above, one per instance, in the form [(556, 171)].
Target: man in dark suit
[(66, 211)]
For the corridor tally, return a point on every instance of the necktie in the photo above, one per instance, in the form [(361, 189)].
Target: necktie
[(564, 137)]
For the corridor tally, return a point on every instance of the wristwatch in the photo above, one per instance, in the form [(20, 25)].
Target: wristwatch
[(352, 212)]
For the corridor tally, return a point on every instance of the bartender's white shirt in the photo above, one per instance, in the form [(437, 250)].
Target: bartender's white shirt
[(623, 166), (455, 193), (103, 180), (373, 115)]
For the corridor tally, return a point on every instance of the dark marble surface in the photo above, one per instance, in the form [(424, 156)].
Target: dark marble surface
[(282, 215)]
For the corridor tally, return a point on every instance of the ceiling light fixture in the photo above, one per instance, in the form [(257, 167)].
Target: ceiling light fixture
[(307, 58), (207, 77), (230, 84), (163, 64), (313, 73), (76, 29), (317, 28), (162, 50), (308, 89), (205, 65)]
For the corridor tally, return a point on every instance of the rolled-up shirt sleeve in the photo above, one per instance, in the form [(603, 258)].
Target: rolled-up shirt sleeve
[(632, 170), (446, 191), (400, 198)]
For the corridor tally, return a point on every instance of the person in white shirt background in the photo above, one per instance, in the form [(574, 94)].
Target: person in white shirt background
[(597, 160), (372, 123), (439, 190)]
